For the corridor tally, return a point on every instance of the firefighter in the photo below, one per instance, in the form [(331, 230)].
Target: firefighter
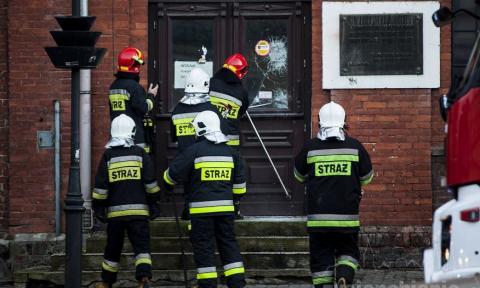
[(195, 100), (128, 97), (215, 176), (125, 196), (334, 167), (231, 98)]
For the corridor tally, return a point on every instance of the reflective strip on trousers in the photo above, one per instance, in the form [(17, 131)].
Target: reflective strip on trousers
[(128, 210), (143, 258), (233, 269), (110, 266), (333, 220), (348, 261), (206, 273), (211, 207), (324, 277)]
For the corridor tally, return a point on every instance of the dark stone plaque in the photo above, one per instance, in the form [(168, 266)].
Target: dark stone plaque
[(381, 44)]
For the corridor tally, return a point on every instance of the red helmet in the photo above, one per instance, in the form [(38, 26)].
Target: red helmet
[(130, 60), (237, 64)]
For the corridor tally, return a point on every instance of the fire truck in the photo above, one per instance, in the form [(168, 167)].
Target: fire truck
[(455, 253)]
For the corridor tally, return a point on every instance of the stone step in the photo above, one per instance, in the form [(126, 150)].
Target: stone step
[(269, 278), (169, 278), (247, 244), (166, 261), (254, 226)]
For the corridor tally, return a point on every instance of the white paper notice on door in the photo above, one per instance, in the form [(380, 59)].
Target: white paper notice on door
[(265, 95), (183, 68)]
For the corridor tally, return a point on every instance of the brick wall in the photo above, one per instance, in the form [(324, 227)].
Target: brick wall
[(392, 123), (398, 128), (3, 116)]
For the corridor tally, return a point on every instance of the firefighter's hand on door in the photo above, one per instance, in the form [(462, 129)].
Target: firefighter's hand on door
[(153, 89)]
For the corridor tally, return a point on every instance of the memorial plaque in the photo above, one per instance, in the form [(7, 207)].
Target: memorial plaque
[(381, 44)]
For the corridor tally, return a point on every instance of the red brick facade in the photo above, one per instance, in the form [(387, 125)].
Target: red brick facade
[(398, 127), (3, 116)]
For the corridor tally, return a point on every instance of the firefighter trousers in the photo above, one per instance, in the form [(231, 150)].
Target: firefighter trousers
[(333, 255), (206, 232), (138, 233)]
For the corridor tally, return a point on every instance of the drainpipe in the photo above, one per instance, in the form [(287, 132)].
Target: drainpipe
[(85, 135), (57, 172)]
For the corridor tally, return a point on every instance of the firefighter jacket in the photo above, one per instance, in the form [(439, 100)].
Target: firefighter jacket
[(182, 129), (231, 99), (125, 183), (127, 96), (215, 176), (333, 171)]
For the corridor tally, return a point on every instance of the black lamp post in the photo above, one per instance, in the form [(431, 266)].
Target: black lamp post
[(75, 51)]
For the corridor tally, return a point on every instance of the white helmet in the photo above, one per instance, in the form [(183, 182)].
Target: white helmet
[(122, 127), (207, 123), (197, 82), (331, 115)]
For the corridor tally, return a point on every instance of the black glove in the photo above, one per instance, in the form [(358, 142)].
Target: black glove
[(238, 214), (100, 214), (154, 210)]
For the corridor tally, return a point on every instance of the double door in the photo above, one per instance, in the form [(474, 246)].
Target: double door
[(275, 39)]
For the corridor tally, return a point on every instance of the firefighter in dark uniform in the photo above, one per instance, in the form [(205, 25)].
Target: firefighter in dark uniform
[(127, 96), (125, 196), (215, 176), (231, 98), (195, 100), (334, 167)]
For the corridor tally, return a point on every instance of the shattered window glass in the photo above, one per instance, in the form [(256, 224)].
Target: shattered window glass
[(267, 54), (192, 46)]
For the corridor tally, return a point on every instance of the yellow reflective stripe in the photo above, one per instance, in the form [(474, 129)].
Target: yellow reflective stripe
[(167, 178), (125, 164), (230, 67), (368, 180), (109, 268), (208, 275), (153, 190), (214, 165), (328, 158), (234, 271), (182, 120), (298, 176), (233, 142), (149, 104), (215, 209), (118, 97), (333, 223), (240, 190), (218, 100), (348, 263), (99, 196), (128, 213), (143, 261), (323, 280)]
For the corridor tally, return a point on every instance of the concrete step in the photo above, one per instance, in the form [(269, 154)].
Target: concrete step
[(271, 278), (169, 278), (247, 244), (166, 261), (250, 226)]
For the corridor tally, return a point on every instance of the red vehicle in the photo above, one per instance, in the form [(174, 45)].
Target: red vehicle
[(456, 226)]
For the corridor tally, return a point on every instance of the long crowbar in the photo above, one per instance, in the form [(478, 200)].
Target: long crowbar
[(287, 194)]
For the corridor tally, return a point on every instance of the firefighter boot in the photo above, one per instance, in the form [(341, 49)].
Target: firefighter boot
[(102, 285), (342, 283), (344, 276), (144, 283)]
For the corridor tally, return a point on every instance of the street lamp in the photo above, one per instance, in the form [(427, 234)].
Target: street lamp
[(75, 51)]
